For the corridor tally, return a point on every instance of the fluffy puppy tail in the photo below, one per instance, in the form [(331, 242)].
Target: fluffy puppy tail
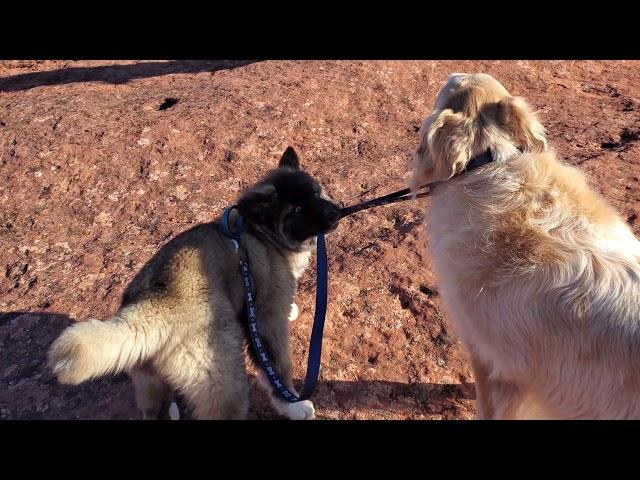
[(94, 348)]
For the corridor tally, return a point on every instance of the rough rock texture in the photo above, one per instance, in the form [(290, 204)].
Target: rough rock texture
[(103, 162)]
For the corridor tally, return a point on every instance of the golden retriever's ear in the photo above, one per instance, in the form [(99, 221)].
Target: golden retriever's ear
[(514, 115), (445, 140)]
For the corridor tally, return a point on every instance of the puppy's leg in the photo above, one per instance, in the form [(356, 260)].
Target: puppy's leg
[(276, 339), (153, 396), (210, 371), (293, 411), (218, 396), (294, 312)]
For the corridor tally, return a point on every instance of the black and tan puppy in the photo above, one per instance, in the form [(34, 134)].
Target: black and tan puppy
[(180, 324)]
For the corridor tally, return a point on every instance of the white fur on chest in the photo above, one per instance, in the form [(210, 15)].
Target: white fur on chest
[(298, 263)]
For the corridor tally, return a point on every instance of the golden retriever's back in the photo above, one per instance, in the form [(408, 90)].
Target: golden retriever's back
[(547, 249)]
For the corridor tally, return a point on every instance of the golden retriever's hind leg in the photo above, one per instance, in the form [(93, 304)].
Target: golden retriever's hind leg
[(495, 398), (506, 399), (153, 396), (484, 403)]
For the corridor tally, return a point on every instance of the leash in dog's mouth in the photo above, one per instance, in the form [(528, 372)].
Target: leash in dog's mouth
[(399, 196), (406, 194)]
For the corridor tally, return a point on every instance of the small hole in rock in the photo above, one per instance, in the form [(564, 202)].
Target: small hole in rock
[(44, 304), (168, 103), (429, 292)]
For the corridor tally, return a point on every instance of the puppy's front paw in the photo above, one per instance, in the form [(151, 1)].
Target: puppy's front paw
[(294, 312), (301, 411)]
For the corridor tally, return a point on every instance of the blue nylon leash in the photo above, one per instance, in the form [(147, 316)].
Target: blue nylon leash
[(406, 194), (315, 346)]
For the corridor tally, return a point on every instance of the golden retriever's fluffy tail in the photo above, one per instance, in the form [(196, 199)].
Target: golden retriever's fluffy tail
[(94, 348)]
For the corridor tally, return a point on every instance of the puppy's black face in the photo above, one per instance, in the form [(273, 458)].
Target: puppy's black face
[(288, 206)]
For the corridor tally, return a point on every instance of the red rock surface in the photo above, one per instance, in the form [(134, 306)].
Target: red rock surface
[(94, 178)]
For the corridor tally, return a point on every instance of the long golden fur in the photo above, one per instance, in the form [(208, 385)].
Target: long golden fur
[(539, 275)]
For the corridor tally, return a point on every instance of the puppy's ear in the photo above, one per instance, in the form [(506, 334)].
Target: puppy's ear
[(258, 201), (445, 140), (289, 159), (514, 115)]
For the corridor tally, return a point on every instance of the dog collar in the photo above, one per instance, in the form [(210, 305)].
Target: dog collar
[(225, 227), (479, 161)]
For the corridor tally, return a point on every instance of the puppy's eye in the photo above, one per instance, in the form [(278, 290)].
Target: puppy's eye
[(298, 210), (317, 194)]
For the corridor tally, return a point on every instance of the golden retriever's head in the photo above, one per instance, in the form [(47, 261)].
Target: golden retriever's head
[(473, 113)]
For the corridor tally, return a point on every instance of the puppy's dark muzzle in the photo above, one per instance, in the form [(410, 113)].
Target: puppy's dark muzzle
[(331, 215)]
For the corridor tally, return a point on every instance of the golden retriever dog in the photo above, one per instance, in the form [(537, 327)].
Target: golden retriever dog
[(539, 275)]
